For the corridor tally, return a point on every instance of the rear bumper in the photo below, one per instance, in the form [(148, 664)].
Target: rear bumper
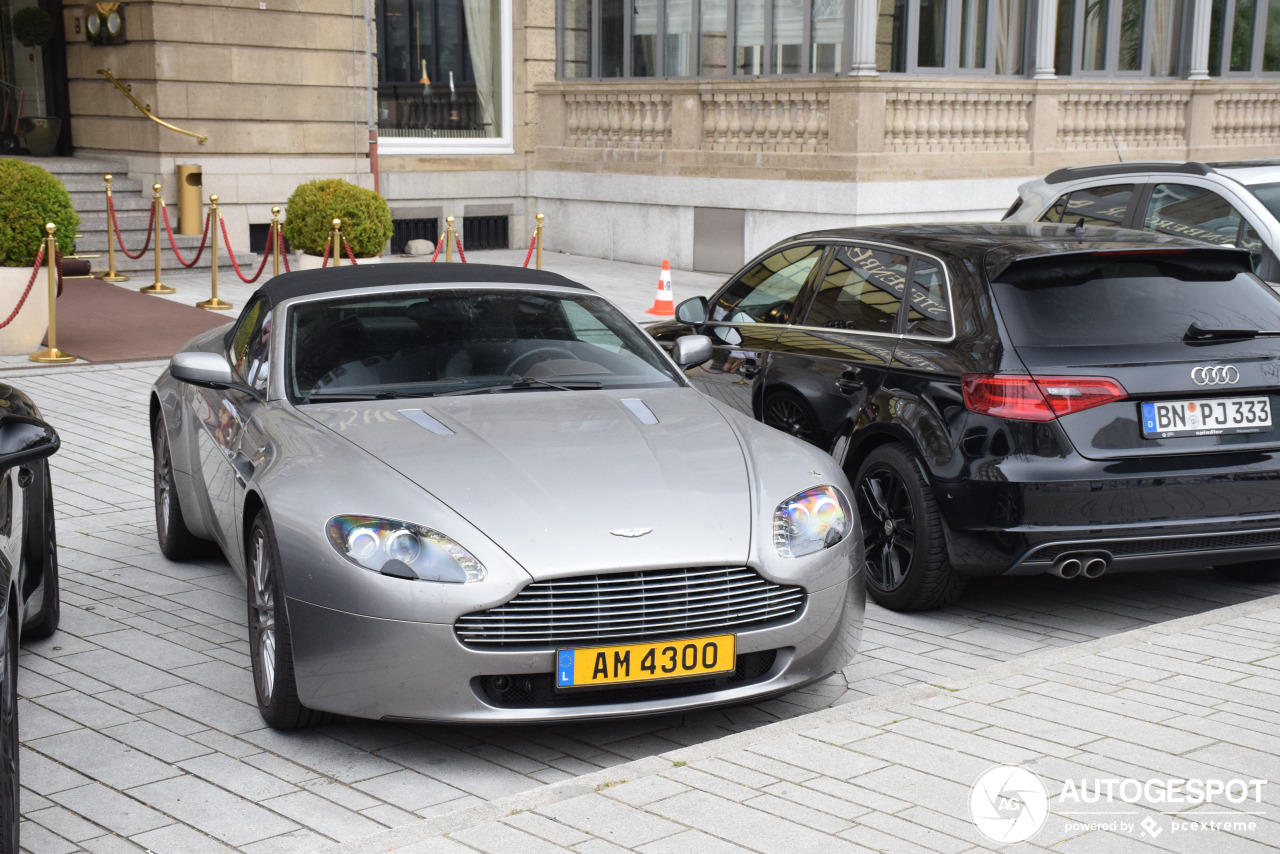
[(1177, 522)]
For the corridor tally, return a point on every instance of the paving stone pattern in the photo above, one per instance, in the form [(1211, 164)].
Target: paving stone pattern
[(895, 773), (138, 722)]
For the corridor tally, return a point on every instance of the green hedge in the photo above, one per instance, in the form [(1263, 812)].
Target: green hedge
[(311, 210), (29, 198)]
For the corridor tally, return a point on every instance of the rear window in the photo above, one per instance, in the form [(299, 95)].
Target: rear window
[(1093, 300)]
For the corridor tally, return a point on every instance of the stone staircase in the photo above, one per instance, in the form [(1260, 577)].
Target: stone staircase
[(82, 176)]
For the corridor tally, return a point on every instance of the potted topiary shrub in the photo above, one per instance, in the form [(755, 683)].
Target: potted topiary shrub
[(311, 210), (29, 198)]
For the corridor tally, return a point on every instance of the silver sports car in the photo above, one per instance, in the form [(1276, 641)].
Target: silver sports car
[(479, 493)]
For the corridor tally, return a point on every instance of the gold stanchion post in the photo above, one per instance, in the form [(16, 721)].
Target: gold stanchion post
[(538, 238), (157, 287), (213, 303), (337, 241), (51, 354), (274, 237), (448, 239), (111, 275)]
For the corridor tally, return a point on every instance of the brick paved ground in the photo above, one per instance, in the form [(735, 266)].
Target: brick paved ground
[(1193, 699), (137, 717)]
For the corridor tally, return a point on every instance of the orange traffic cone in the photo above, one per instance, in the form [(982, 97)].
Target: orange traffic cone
[(663, 304)]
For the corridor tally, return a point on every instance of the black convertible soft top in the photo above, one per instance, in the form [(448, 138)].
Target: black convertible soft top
[(308, 282)]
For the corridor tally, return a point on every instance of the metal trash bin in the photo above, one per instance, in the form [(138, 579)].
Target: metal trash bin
[(190, 207)]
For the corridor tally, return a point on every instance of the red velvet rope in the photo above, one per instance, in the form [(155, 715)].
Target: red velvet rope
[(347, 246), (231, 253), (439, 246), (204, 238), (31, 284), (529, 254), (324, 262), (280, 249), (458, 242), (151, 221)]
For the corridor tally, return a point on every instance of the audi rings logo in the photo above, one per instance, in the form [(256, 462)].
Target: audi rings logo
[(1008, 804), (1215, 375)]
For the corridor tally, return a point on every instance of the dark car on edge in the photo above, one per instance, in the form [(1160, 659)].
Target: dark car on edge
[(1011, 399), (29, 568)]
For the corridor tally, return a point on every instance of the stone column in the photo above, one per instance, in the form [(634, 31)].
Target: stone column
[(1046, 39), (864, 38), (1200, 22)]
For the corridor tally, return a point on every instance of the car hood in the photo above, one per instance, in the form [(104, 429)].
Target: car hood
[(571, 482)]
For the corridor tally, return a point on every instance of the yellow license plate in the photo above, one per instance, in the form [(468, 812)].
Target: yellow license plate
[(642, 662)]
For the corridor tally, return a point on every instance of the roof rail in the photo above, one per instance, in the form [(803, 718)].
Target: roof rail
[(1073, 172)]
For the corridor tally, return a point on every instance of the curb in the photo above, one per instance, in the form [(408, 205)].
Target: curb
[(533, 799)]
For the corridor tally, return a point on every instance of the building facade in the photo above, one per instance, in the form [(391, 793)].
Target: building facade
[(697, 130)]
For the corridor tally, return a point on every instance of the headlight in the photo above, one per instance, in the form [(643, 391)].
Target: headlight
[(814, 520), (403, 549)]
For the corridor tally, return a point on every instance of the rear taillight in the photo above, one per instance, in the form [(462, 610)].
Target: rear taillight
[(1024, 398)]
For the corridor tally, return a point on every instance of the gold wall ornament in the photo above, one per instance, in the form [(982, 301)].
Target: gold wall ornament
[(104, 22)]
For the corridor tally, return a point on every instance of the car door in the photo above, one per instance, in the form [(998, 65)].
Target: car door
[(229, 449), (746, 316), (833, 360), (1187, 209)]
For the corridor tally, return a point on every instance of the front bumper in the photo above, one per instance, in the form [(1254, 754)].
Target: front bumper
[(377, 668)]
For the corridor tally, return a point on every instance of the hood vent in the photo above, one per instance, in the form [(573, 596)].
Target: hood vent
[(642, 413), (422, 419)]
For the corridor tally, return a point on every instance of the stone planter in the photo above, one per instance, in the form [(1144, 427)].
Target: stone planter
[(303, 261), (25, 332)]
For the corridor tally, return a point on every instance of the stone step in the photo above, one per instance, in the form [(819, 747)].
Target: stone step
[(77, 165)]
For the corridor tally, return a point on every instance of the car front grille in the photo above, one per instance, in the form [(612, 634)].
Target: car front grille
[(632, 606)]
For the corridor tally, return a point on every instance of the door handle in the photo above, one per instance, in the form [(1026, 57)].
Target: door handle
[(749, 368), (849, 383)]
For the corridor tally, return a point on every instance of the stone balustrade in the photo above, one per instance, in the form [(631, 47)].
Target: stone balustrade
[(835, 128)]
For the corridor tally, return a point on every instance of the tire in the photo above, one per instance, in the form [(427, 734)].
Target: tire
[(1255, 572), (790, 413), (43, 553), (10, 808), (907, 567), (176, 540), (270, 642)]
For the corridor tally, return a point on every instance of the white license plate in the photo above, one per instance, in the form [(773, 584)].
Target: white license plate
[(1171, 418)]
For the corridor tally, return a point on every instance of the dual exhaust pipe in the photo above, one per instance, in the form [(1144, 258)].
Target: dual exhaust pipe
[(1081, 565)]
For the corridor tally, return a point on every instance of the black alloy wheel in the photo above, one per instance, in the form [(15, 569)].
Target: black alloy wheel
[(907, 568), (10, 808), (787, 412), (176, 540), (43, 554), (270, 642)]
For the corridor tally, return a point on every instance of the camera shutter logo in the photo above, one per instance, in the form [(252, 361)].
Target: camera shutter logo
[(1008, 804), (1215, 375)]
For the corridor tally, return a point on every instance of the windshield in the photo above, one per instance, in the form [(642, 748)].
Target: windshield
[(423, 343), (1269, 195), (1096, 301)]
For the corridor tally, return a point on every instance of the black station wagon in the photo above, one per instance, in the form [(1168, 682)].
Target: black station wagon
[(1016, 399)]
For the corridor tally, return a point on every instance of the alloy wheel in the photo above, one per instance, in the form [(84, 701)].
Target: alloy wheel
[(888, 525), (263, 629), (163, 475), (788, 415)]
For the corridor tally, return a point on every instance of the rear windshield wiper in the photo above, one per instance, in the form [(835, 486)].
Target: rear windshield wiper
[(1196, 332), (527, 383)]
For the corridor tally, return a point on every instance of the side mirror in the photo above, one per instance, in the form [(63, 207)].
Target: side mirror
[(691, 350), (207, 370), (24, 440), (692, 311)]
